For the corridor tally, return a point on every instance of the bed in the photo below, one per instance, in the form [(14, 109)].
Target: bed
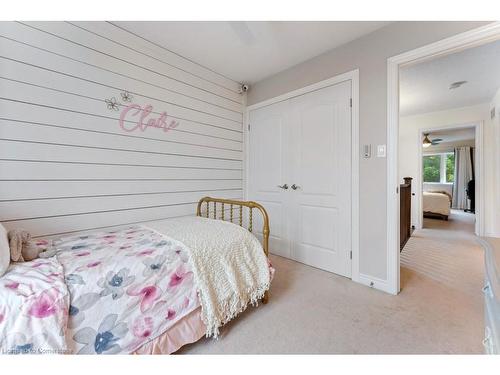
[(436, 204), (145, 289)]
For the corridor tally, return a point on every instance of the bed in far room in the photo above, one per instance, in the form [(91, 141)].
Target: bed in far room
[(436, 204)]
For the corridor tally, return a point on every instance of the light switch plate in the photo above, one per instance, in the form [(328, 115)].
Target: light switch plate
[(381, 151)]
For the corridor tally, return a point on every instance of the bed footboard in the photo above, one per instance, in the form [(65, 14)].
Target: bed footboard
[(232, 210)]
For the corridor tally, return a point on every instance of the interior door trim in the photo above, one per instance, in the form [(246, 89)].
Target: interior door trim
[(353, 76), (452, 44)]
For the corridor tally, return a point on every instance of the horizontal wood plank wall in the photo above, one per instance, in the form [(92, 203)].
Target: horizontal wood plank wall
[(65, 163)]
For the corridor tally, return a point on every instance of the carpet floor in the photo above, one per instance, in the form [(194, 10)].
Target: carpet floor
[(439, 310)]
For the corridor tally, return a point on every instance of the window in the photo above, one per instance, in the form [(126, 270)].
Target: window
[(450, 167), (439, 168), (432, 168)]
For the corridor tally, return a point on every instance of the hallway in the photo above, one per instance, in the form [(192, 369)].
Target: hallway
[(445, 257), (447, 252)]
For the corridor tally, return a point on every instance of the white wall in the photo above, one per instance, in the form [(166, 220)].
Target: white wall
[(493, 138), (65, 163), (369, 54), (409, 134)]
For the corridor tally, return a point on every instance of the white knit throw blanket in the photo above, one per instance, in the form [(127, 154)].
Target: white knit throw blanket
[(229, 266)]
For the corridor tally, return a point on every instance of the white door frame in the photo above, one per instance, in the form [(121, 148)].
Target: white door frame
[(478, 171), (352, 76), (455, 43)]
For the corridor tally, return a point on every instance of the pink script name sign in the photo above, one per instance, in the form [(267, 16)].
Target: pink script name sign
[(138, 116)]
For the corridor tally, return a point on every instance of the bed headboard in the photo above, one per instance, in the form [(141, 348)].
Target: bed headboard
[(232, 210)]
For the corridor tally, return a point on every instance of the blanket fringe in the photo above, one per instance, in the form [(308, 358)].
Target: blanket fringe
[(231, 309)]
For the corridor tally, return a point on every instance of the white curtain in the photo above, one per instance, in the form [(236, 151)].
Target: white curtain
[(463, 174)]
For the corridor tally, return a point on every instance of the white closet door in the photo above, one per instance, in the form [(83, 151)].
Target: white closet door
[(268, 169), (320, 207)]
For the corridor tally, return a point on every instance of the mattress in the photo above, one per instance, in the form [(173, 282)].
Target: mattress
[(436, 203)]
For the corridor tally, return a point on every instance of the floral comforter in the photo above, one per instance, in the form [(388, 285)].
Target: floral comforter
[(34, 302), (103, 293), (127, 287)]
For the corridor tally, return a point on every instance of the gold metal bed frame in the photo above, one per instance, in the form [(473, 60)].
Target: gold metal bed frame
[(222, 216)]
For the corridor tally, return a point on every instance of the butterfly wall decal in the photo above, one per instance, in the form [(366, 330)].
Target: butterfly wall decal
[(126, 96), (112, 104)]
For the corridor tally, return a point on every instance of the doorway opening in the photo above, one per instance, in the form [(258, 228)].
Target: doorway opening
[(448, 161), (436, 99)]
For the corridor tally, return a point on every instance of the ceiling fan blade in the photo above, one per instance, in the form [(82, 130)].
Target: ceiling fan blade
[(437, 140), (242, 30)]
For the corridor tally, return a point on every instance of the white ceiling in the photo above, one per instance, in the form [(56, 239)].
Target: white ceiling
[(425, 86), (250, 51)]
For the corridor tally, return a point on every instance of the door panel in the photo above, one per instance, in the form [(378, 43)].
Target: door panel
[(314, 148), (320, 208), (315, 227), (267, 169)]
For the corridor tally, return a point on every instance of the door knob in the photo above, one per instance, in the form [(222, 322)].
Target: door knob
[(284, 186), (295, 187)]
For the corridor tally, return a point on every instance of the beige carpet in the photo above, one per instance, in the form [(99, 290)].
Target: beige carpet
[(447, 252), (311, 311)]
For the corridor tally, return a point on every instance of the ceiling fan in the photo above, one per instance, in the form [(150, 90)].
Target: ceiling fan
[(427, 142), (243, 32)]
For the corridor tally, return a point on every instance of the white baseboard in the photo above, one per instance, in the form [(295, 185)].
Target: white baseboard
[(492, 234), (375, 283)]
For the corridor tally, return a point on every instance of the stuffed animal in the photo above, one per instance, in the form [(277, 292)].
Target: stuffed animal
[(24, 249), (47, 250)]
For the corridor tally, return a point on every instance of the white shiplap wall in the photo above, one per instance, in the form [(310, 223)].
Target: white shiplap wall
[(66, 165)]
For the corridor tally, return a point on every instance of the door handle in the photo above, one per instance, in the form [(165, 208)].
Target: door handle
[(295, 187), (284, 186)]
